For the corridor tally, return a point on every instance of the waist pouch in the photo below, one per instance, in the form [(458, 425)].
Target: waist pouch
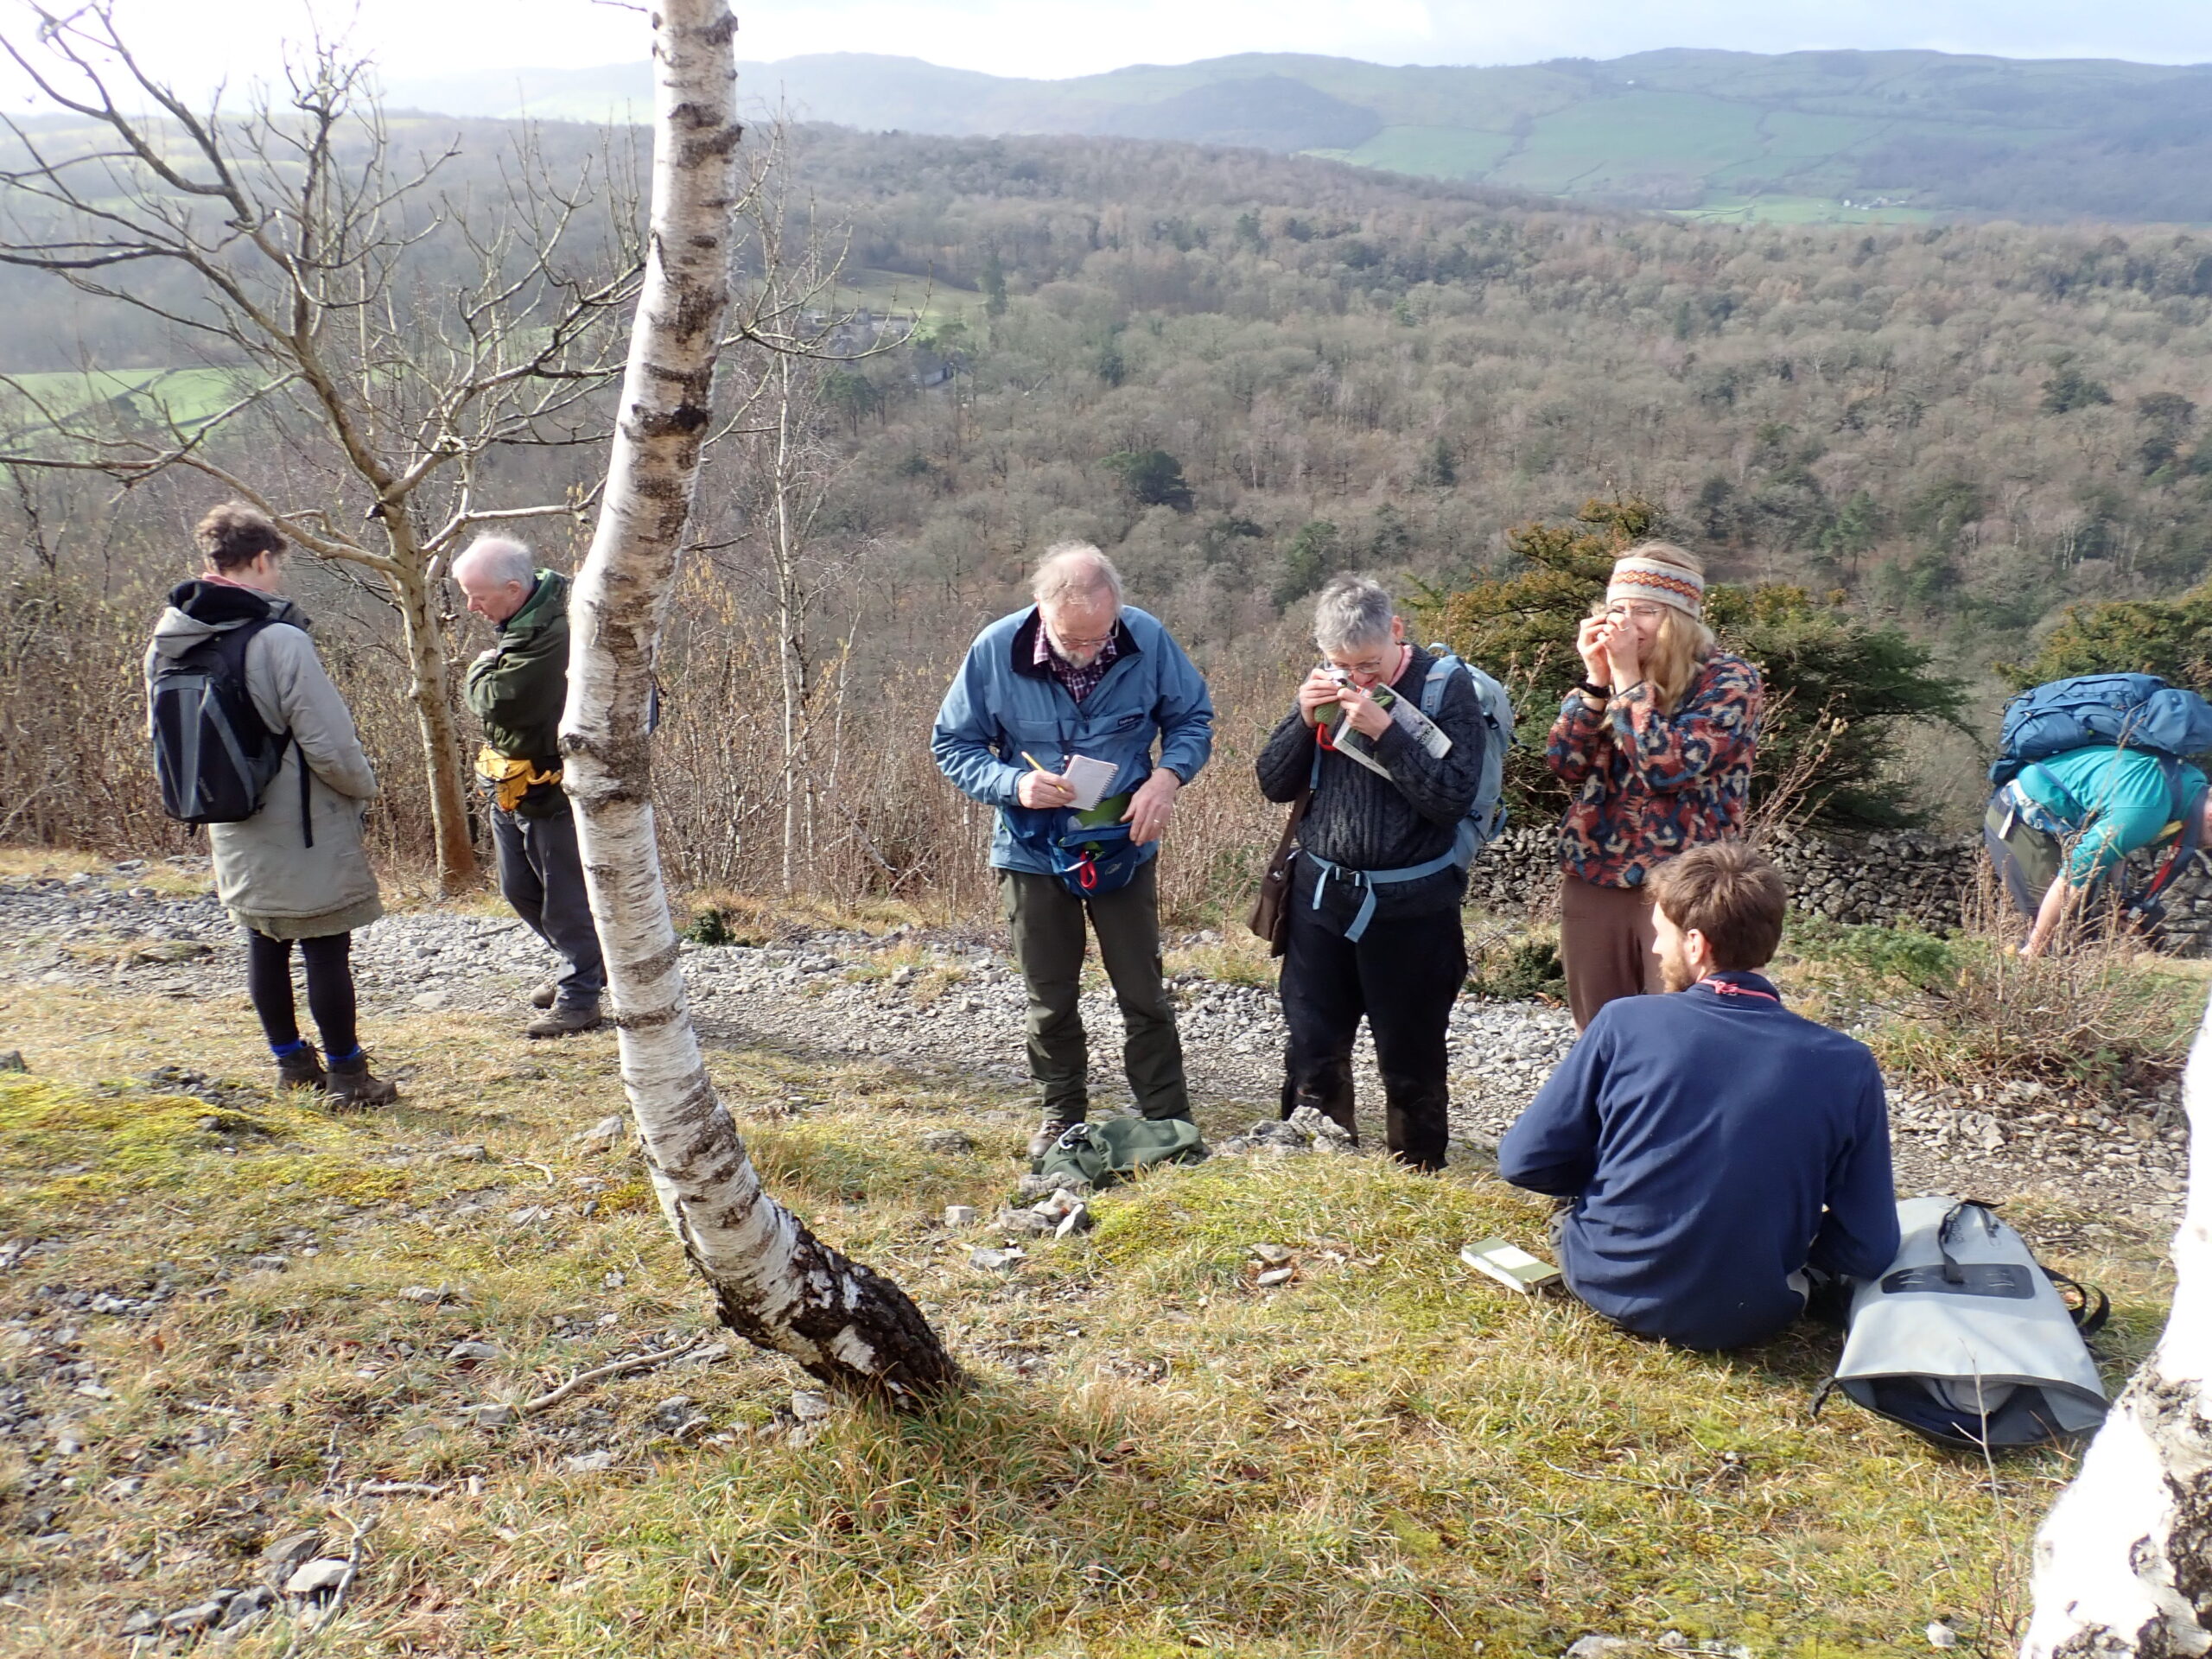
[(506, 779), (1089, 853)]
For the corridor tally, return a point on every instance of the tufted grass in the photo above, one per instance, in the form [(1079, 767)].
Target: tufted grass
[(1386, 1456), (1958, 1010)]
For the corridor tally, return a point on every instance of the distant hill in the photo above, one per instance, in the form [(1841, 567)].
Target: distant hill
[(1802, 135)]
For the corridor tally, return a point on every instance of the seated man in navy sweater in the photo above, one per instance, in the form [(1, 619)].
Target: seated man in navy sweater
[(1712, 1144)]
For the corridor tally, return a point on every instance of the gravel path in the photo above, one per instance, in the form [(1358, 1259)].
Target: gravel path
[(951, 1008)]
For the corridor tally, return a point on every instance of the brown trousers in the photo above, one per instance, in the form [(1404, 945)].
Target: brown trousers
[(1605, 943)]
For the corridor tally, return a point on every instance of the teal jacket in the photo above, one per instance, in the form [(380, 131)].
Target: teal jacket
[(519, 688), (2105, 802), (1003, 702)]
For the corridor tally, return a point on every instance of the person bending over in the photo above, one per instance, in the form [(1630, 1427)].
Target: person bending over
[(2059, 830), (1079, 673), (1712, 1146)]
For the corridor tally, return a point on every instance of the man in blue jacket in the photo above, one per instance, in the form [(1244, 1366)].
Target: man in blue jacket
[(1712, 1145), (1080, 674)]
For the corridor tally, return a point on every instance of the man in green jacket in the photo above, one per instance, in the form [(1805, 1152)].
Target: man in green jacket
[(518, 688)]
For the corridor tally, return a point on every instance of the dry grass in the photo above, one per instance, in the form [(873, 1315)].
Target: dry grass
[(1384, 1457), (2100, 1019)]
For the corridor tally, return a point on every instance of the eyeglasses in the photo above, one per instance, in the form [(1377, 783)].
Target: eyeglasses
[(1070, 642), (1640, 612), (1371, 668)]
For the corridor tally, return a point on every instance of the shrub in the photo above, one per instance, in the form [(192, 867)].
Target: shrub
[(2097, 1022), (1525, 970), (2170, 637)]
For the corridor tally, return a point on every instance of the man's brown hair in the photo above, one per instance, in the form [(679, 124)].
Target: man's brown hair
[(1731, 893), (234, 534)]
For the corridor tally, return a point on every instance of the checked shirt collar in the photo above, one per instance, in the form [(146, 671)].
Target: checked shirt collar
[(1080, 681)]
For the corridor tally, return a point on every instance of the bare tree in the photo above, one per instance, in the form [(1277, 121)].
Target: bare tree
[(359, 316), (774, 1282), (2124, 1561), (785, 463)]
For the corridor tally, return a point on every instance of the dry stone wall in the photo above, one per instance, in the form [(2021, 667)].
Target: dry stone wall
[(1900, 876)]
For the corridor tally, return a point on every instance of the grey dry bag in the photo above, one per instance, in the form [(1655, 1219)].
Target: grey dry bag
[(1967, 1338)]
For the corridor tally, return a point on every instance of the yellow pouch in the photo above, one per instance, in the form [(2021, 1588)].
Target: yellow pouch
[(509, 779)]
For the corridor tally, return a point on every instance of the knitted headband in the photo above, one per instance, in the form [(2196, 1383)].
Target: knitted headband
[(1669, 584)]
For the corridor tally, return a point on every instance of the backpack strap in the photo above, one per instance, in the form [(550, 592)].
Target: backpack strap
[(1445, 664), (233, 645), (1459, 855), (1953, 1273), (2091, 1307), (2188, 814)]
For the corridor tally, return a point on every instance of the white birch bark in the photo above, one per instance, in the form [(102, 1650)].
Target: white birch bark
[(2123, 1563), (774, 1282)]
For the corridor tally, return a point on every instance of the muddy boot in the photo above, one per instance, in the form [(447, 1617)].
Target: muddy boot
[(1048, 1135), (354, 1089), (302, 1069), (546, 995), (565, 1020)]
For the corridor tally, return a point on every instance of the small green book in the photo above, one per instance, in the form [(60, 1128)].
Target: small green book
[(1510, 1265)]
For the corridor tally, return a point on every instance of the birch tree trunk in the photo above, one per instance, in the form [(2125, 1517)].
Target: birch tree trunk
[(2123, 1564), (774, 1282)]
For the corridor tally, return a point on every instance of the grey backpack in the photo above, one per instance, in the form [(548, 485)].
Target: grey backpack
[(1965, 1338), (1485, 819)]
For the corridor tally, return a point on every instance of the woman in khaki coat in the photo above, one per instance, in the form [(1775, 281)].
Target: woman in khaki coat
[(281, 883)]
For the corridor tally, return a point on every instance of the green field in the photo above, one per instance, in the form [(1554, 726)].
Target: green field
[(1603, 144), (31, 402), (1798, 210), (1430, 152)]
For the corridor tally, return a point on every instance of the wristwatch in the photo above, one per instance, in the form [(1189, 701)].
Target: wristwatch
[(1603, 693)]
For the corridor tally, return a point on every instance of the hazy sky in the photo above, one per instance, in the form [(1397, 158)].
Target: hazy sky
[(196, 42)]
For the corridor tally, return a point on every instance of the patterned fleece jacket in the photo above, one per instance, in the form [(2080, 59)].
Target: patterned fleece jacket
[(1646, 785)]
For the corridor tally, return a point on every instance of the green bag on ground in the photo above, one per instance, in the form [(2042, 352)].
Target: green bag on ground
[(1102, 1154)]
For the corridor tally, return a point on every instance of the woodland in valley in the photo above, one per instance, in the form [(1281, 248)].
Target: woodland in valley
[(1239, 373)]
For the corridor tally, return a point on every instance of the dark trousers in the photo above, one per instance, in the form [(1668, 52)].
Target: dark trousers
[(1402, 975), (329, 964), (542, 878), (1047, 920)]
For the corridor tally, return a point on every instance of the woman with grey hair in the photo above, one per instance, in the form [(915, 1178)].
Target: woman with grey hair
[(1377, 876)]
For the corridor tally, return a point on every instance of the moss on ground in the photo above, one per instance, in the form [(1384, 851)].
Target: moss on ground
[(1386, 1455)]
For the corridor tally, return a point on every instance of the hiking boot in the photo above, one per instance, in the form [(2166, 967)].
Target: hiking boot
[(1048, 1135), (546, 995), (565, 1021), (352, 1087), (302, 1070)]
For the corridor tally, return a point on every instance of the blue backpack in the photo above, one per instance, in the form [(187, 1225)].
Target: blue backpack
[(2091, 711)]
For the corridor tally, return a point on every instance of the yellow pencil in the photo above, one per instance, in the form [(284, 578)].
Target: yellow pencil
[(1031, 759)]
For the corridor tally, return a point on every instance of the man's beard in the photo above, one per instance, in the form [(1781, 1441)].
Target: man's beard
[(1674, 970)]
